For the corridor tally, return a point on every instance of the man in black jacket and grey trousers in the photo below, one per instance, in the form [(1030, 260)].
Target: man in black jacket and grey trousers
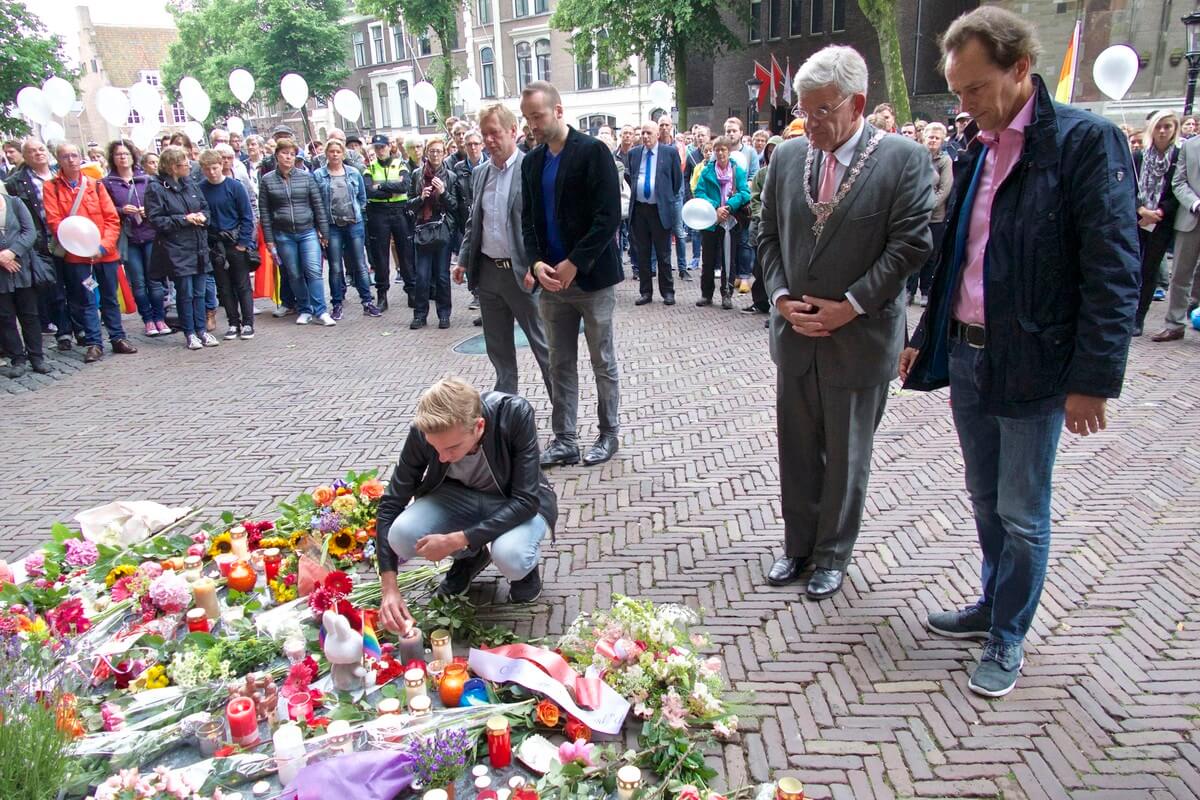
[(571, 209), (471, 462)]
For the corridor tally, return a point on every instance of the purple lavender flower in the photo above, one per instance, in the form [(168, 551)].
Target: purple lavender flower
[(340, 484), (328, 522)]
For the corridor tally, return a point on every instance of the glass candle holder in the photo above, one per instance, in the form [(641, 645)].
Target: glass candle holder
[(299, 706), (435, 670), (295, 649), (272, 560), (439, 642), (414, 683), (193, 567), (225, 562), (499, 742), (197, 620), (450, 688), (789, 789), (208, 738), (629, 780), (239, 541)]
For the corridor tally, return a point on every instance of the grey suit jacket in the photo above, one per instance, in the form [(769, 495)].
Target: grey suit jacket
[(878, 235), (1186, 184), (468, 253)]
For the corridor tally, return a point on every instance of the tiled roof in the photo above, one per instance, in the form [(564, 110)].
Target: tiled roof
[(125, 50)]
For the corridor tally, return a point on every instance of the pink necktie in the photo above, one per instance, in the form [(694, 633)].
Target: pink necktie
[(828, 179)]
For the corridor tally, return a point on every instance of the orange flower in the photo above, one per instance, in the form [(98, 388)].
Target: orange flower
[(343, 490), (362, 537), (547, 714), (372, 489), (576, 730), (323, 495), (371, 528)]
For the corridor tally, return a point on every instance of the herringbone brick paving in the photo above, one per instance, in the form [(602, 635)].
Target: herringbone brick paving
[(852, 695)]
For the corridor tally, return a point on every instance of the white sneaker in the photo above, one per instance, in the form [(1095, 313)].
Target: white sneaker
[(281, 311), (327, 320), (231, 332), (193, 343), (304, 319), (257, 311), (210, 340)]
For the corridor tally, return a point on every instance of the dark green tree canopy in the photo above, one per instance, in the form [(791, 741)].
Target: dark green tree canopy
[(28, 56)]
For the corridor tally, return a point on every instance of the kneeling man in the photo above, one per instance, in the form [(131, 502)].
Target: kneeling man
[(471, 463)]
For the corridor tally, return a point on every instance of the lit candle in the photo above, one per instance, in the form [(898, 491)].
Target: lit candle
[(789, 789), (225, 562), (412, 646), (205, 593), (414, 683), (388, 706), (435, 670), (439, 641), (299, 705), (420, 705), (290, 757), (243, 721), (241, 545), (629, 780), (197, 620), (208, 736), (499, 742)]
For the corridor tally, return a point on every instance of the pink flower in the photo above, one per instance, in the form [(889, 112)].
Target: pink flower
[(576, 751), (150, 570), (170, 592), (200, 537), (688, 792), (112, 716), (68, 618), (81, 552), (711, 666), (673, 711), (35, 564), (643, 711), (122, 590), (196, 550)]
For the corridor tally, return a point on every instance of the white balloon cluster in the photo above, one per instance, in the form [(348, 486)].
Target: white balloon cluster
[(54, 98)]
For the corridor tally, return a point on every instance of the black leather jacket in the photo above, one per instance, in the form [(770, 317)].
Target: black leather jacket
[(510, 445)]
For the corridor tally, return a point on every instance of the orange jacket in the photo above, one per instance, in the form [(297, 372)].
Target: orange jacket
[(58, 197)]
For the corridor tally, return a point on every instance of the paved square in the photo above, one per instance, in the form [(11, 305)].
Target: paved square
[(853, 695)]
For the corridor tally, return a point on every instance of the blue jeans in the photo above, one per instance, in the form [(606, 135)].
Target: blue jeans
[(82, 302), (454, 507), (346, 243), (695, 237), (681, 235), (1009, 463), (745, 254), (147, 294), (189, 299), (210, 293), (433, 277), (301, 257)]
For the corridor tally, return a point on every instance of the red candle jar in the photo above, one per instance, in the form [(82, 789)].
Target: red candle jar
[(451, 686), (225, 562), (197, 620), (499, 741), (299, 706), (241, 577), (243, 721), (271, 562)]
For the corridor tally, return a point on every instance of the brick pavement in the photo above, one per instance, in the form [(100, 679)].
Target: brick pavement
[(853, 695)]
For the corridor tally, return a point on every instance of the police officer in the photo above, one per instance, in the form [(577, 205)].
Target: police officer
[(387, 191)]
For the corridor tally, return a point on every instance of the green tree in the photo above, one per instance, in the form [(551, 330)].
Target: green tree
[(28, 56), (439, 16), (212, 43), (882, 15), (614, 30)]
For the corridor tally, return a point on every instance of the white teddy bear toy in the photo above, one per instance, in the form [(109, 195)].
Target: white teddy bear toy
[(344, 651)]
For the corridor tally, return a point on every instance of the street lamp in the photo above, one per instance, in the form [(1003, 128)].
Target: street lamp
[(754, 84), (1191, 24)]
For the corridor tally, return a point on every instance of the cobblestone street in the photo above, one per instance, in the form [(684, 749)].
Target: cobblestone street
[(852, 695)]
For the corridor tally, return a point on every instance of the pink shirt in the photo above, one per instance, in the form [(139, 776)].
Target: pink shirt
[(1004, 148)]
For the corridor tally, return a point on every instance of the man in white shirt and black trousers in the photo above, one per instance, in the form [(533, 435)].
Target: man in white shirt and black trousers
[(655, 177)]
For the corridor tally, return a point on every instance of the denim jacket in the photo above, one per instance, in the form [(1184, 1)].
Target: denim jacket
[(358, 188)]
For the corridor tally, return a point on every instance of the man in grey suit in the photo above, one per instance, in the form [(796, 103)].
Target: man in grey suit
[(655, 176), (1184, 284), (493, 257), (836, 248)]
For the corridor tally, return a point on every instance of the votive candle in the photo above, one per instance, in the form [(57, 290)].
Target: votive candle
[(629, 780), (239, 541), (204, 592), (225, 562), (197, 620), (412, 646), (243, 721), (439, 642), (272, 559), (414, 683), (300, 705)]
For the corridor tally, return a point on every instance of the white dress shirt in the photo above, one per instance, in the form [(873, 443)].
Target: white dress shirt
[(493, 238), (644, 194)]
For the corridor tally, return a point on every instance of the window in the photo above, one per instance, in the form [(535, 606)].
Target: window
[(796, 21), (368, 108), (424, 118), (816, 22), (775, 20), (424, 46), (520, 8), (385, 111), (405, 114), (178, 113), (398, 47), (134, 117), (592, 123), (377, 44), (150, 76), (524, 65), (654, 67), (541, 6), (603, 79), (583, 71), (360, 49), (839, 15), (541, 49), (756, 20), (484, 14), (95, 66), (487, 71)]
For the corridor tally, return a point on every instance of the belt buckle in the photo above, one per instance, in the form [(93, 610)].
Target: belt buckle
[(974, 335), (503, 263)]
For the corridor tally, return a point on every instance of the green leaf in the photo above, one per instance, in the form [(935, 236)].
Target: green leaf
[(227, 517), (60, 533)]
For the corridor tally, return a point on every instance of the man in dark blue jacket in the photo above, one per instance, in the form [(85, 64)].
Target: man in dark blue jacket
[(1030, 315)]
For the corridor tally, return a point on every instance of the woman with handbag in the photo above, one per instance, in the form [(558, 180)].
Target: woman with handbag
[(126, 184), (433, 201), (722, 182), (18, 295), (230, 241)]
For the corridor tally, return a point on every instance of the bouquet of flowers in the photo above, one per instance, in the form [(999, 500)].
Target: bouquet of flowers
[(130, 784), (338, 518)]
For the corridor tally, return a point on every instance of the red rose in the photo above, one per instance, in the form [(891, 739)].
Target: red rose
[(576, 730)]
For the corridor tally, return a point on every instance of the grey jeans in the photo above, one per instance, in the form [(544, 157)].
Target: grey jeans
[(562, 312), (501, 302), (1185, 279)]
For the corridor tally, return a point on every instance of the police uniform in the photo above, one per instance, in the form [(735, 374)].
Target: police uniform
[(387, 221)]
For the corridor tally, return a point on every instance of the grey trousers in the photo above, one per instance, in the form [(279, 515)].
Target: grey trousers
[(501, 302), (562, 312), (1185, 279), (825, 438)]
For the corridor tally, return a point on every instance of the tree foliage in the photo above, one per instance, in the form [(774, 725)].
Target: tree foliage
[(882, 16), (614, 30), (270, 38), (28, 56), (439, 16)]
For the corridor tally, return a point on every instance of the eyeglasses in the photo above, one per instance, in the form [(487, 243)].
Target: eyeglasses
[(821, 114)]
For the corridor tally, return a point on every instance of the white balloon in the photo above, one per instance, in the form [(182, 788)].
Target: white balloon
[(346, 103), (1115, 69), (189, 85), (294, 89), (143, 135), (241, 83), (60, 95), (660, 94), (32, 102), (197, 104), (146, 100), (80, 236), (235, 125), (424, 95), (469, 92), (739, 157), (194, 130), (699, 214), (52, 133), (113, 105)]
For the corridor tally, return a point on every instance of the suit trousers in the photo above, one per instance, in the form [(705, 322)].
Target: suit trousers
[(562, 312), (826, 434), (648, 231), (501, 302), (1184, 283)]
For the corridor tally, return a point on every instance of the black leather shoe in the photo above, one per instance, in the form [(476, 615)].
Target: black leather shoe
[(527, 589), (785, 570), (559, 454), (38, 365), (418, 322), (459, 578), (381, 299), (703, 301), (643, 300), (824, 583), (669, 300), (604, 448)]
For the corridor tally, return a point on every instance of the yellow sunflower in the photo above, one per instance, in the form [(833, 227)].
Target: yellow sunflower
[(342, 542), (274, 541), (297, 539), (221, 543), (116, 573)]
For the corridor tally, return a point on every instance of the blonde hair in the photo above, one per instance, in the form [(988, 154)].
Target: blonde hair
[(507, 118), (1159, 117), (934, 127), (170, 158), (448, 404), (209, 157)]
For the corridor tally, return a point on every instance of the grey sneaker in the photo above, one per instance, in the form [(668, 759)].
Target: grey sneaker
[(972, 622), (998, 669)]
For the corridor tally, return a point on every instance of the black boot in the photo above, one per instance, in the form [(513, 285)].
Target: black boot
[(381, 303)]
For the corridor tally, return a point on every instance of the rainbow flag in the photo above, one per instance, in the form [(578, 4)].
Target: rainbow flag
[(1066, 76), (370, 639)]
